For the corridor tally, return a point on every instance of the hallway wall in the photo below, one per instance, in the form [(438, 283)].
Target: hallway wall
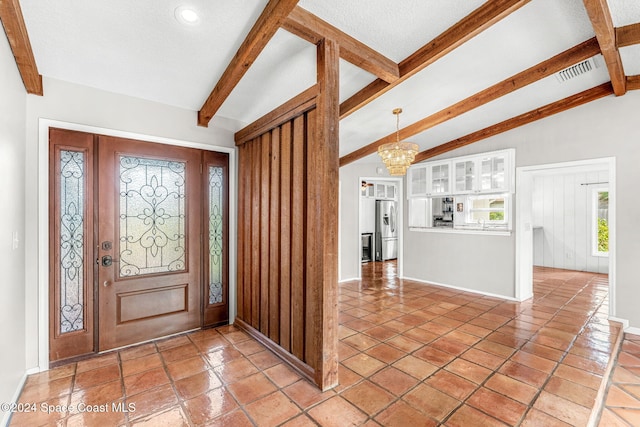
[(12, 258)]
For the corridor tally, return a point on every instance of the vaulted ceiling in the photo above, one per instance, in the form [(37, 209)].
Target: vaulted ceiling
[(463, 66)]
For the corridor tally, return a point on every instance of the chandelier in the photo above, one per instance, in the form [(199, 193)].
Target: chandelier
[(397, 156)]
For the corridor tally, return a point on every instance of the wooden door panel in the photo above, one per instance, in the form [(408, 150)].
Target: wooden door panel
[(148, 203), (71, 320), (216, 238)]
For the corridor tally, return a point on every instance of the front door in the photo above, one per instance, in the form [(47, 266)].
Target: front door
[(153, 244), (149, 220)]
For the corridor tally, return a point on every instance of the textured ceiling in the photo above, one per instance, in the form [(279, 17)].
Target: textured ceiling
[(138, 48)]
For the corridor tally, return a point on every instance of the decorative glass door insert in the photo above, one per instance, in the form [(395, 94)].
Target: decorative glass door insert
[(152, 216), (216, 209), (72, 240)]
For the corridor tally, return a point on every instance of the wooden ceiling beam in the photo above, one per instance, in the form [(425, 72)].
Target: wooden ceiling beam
[(600, 17), (16, 30), (521, 120), (544, 69), (628, 35), (269, 21), (633, 82), (313, 29), (470, 26)]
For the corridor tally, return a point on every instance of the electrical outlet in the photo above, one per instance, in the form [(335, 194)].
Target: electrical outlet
[(15, 244)]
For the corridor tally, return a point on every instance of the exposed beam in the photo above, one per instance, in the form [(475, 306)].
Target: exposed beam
[(627, 35), (521, 120), (285, 112), (313, 29), (633, 82), (544, 69), (16, 30), (600, 17), (470, 26), (262, 31)]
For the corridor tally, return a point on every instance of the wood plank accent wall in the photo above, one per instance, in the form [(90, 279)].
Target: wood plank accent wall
[(277, 297)]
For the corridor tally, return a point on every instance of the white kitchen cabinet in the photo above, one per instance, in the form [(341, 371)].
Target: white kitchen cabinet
[(382, 191), (439, 180), (417, 181), (480, 173), (464, 176), (429, 179), (494, 173)]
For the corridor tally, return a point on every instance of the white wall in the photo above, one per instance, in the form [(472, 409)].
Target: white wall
[(91, 107), (608, 127), (12, 260), (563, 211)]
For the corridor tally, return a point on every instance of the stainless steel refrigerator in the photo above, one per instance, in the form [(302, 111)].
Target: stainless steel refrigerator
[(386, 230)]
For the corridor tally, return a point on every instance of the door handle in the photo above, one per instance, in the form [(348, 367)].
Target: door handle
[(107, 261), (106, 283)]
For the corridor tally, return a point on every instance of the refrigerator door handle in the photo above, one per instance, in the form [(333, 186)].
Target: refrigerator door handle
[(392, 217)]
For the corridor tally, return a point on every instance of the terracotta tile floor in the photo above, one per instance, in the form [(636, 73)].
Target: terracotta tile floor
[(410, 355), (622, 402)]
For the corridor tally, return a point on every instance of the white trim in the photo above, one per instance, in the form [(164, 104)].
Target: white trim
[(624, 322), (458, 288), (632, 330), (14, 399), (348, 280), (400, 215), (43, 216), (524, 245)]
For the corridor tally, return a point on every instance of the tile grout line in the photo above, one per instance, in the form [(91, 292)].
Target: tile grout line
[(607, 380)]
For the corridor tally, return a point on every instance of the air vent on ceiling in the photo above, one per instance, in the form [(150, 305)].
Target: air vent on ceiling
[(576, 70)]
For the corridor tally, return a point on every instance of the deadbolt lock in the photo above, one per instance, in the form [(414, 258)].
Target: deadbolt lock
[(107, 261)]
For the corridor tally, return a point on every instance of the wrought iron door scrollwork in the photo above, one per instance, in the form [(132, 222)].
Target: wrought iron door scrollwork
[(152, 216)]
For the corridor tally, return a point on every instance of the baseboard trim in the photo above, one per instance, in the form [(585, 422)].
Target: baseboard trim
[(299, 366), (632, 330), (624, 322), (7, 415), (458, 288), (348, 280)]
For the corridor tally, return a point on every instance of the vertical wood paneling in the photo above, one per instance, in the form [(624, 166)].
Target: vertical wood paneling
[(582, 238), (289, 233), (274, 239), (285, 236), (569, 214), (242, 158), (255, 233), (298, 238), (246, 237), (566, 239), (265, 147), (314, 245)]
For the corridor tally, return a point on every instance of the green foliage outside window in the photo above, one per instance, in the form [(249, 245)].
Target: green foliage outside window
[(496, 216), (603, 235)]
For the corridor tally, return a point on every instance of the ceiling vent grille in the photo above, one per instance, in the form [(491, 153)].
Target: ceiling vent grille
[(576, 70)]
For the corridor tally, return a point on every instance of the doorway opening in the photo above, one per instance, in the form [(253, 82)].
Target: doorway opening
[(565, 219), (380, 225), (138, 241)]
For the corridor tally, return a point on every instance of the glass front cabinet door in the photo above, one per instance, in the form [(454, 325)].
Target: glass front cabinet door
[(464, 176)]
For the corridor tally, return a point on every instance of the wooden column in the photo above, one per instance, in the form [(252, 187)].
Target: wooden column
[(322, 215)]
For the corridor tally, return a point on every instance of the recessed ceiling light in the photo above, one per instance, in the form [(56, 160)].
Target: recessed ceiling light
[(186, 15)]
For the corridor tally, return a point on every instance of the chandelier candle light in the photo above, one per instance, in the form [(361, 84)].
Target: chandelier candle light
[(397, 156)]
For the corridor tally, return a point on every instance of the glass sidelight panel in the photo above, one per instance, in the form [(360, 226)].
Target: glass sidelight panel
[(216, 209), (72, 240), (152, 216)]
